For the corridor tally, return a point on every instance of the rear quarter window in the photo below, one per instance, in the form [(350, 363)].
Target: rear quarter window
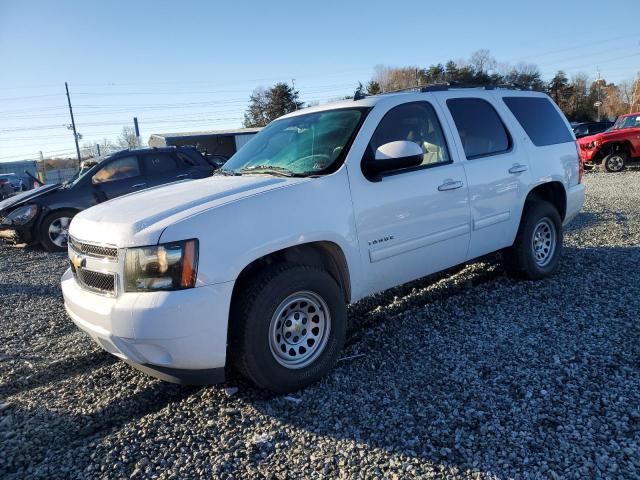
[(540, 120)]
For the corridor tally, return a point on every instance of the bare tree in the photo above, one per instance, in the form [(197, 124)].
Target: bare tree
[(128, 139), (635, 96), (482, 60), (626, 92), (88, 150), (392, 78)]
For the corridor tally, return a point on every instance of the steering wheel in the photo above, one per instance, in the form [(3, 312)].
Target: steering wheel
[(313, 160)]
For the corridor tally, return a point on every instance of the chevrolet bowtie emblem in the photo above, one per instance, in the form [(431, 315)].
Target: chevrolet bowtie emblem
[(78, 261)]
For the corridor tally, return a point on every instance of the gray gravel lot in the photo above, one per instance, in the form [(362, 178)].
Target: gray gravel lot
[(464, 375)]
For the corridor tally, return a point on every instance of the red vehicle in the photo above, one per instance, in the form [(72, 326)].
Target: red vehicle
[(613, 148)]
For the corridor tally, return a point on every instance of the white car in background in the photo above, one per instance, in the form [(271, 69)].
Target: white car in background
[(323, 207)]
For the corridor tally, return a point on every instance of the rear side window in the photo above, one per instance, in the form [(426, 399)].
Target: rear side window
[(480, 128), (540, 120), (186, 161), (158, 163)]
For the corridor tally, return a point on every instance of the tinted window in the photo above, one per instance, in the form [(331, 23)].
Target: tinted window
[(126, 167), (581, 130), (480, 128), (540, 120), (159, 163), (416, 122), (186, 161)]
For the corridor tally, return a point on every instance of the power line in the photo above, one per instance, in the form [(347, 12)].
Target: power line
[(576, 47)]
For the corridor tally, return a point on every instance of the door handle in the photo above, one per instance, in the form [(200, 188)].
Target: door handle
[(138, 185), (450, 185), (517, 168), (182, 175)]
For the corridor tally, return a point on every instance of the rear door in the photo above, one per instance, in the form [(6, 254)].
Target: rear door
[(496, 165), (161, 168), (118, 177)]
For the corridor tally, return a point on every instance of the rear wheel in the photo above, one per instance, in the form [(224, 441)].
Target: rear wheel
[(54, 231), (614, 162), (287, 327), (535, 254)]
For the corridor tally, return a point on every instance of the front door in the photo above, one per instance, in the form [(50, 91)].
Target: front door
[(118, 177), (415, 221)]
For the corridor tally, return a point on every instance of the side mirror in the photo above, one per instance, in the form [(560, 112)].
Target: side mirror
[(396, 155)]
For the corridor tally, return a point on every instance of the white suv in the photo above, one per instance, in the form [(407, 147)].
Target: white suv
[(323, 207)]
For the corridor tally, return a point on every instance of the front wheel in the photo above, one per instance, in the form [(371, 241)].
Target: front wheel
[(287, 327), (614, 162), (535, 254), (54, 231)]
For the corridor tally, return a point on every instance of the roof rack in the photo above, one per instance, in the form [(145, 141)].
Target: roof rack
[(439, 87)]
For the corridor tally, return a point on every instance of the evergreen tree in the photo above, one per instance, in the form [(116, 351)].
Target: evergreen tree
[(267, 105), (373, 88)]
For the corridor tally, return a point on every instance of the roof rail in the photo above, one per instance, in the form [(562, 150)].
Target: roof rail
[(438, 87)]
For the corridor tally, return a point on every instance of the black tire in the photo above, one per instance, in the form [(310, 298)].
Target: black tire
[(250, 331), (614, 162), (520, 260), (45, 240)]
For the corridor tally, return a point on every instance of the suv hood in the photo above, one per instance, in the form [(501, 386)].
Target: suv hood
[(26, 197), (139, 218)]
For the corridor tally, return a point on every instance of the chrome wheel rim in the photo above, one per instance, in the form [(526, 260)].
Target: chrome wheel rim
[(299, 330), (543, 242), (615, 163), (59, 231)]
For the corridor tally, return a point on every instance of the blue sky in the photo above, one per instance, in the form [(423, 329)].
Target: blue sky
[(191, 65)]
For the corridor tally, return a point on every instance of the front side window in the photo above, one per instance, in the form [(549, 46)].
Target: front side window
[(126, 167), (540, 120), (310, 144), (159, 163), (480, 128), (416, 122)]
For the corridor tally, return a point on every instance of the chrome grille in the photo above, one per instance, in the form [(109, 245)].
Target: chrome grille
[(94, 250), (96, 281)]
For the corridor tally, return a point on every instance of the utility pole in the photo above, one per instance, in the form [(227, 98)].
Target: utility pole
[(137, 130), (98, 147), (73, 123), (599, 102), (293, 91)]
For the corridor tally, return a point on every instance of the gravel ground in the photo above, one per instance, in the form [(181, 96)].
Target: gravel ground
[(464, 375)]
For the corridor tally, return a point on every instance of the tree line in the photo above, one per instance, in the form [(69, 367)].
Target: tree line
[(577, 96)]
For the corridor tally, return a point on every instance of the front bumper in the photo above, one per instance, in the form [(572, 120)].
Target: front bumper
[(16, 234), (179, 336)]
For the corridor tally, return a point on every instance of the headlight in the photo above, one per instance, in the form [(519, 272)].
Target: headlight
[(171, 266), (20, 215)]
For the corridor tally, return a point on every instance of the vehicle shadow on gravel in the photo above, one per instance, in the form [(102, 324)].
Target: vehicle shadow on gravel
[(38, 445), (473, 375), (22, 377)]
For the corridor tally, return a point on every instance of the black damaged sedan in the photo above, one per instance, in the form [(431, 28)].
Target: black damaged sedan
[(43, 215)]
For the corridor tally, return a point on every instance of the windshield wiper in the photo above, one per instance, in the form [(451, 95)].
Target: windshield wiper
[(226, 172), (272, 170)]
